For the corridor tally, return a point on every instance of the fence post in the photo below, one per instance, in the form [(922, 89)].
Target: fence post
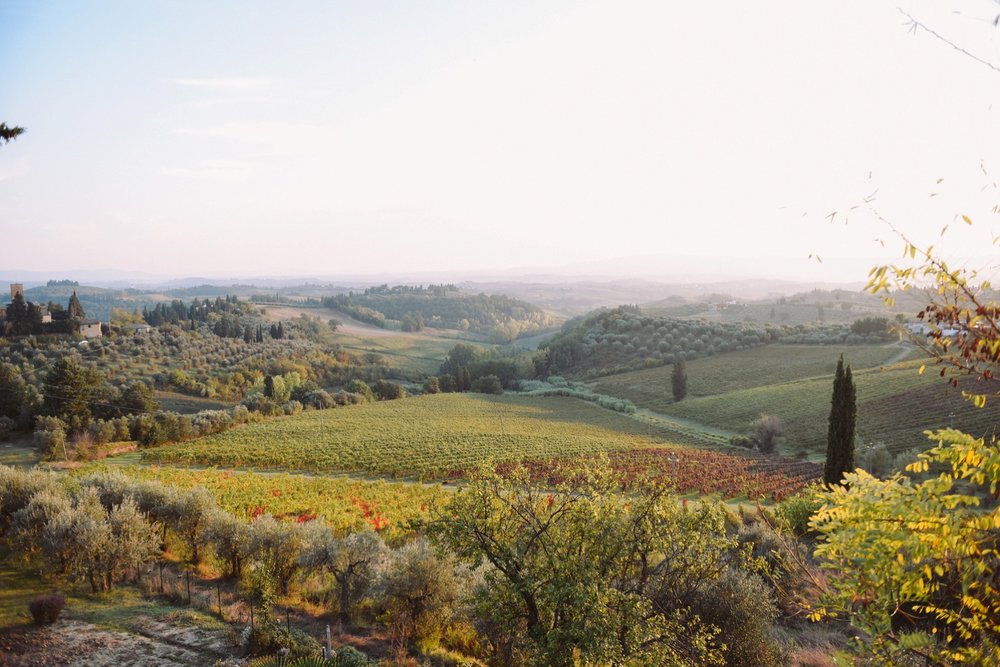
[(161, 577), (187, 575), (218, 595), (288, 620), (329, 644), (251, 615)]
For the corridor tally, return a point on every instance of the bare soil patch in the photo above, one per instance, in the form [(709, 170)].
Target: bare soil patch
[(154, 643)]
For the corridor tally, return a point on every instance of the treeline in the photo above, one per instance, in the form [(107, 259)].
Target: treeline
[(624, 339), (499, 317), (177, 312), (505, 573), (78, 414)]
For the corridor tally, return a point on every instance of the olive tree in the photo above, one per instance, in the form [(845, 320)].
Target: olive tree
[(579, 574), (353, 561)]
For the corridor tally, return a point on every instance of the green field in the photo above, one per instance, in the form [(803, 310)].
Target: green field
[(426, 436), (895, 403)]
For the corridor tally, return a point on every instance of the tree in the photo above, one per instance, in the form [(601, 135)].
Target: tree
[(354, 562), (230, 539), (576, 576), (71, 389), (138, 398), (679, 380), (919, 557), (766, 431), (388, 391), (420, 590), (840, 434), (14, 395), (488, 384), (8, 134), (75, 308)]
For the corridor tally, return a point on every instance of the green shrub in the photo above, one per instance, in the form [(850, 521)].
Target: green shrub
[(271, 637), (488, 384), (793, 513)]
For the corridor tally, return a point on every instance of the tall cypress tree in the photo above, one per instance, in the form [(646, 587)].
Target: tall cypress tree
[(75, 308), (679, 380), (843, 417)]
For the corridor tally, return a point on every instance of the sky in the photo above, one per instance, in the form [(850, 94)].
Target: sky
[(650, 139)]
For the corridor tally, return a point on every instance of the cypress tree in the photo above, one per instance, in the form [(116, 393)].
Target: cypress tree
[(679, 380), (75, 309), (843, 417)]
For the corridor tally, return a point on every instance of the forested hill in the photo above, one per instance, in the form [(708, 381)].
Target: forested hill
[(623, 339), (499, 317)]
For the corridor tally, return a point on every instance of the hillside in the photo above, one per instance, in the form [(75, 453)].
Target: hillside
[(895, 403), (496, 316), (626, 338)]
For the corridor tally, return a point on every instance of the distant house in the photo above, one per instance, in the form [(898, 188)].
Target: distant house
[(921, 329), (90, 328), (138, 329)]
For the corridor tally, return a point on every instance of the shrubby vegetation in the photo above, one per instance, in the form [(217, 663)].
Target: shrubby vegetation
[(557, 386)]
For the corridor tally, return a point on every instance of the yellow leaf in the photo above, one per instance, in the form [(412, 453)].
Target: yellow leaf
[(967, 219), (922, 368)]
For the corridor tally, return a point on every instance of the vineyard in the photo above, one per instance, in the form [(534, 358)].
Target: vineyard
[(735, 371), (691, 471), (895, 406), (424, 437), (344, 504)]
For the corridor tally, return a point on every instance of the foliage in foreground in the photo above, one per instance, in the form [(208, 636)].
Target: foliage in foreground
[(917, 564), (580, 575)]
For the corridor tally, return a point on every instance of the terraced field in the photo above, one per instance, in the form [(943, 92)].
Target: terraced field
[(895, 404), (424, 437)]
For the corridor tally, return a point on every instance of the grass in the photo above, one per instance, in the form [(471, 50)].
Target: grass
[(426, 436), (184, 404), (113, 610), (895, 403), (414, 353), (20, 453)]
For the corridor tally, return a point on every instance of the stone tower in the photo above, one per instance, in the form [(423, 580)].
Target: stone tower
[(15, 289)]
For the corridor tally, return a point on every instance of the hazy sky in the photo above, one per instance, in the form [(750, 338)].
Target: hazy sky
[(252, 138)]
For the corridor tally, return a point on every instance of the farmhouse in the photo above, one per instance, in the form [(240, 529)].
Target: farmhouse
[(36, 319)]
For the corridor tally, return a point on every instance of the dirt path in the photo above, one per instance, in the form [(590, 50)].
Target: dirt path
[(904, 352), (684, 425)]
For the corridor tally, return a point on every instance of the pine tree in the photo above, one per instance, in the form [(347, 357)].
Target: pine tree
[(679, 380), (843, 417)]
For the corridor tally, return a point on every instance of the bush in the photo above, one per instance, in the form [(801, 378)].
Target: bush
[(488, 384), (45, 609), (388, 391), (741, 441), (793, 513), (741, 606), (766, 431), (360, 387), (271, 637)]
